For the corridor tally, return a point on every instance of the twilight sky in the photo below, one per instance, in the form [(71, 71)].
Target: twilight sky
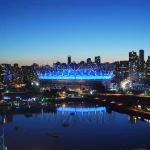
[(44, 31)]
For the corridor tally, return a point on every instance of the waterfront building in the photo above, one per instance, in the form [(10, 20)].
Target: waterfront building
[(133, 66)]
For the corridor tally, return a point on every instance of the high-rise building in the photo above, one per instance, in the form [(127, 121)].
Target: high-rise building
[(26, 76), (97, 60), (133, 66), (15, 74), (116, 71), (124, 69), (6, 76), (132, 56), (148, 68), (89, 61), (141, 64), (69, 59), (117, 67), (121, 70), (141, 55), (0, 73), (15, 65)]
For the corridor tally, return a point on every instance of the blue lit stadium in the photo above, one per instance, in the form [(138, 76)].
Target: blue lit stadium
[(76, 72)]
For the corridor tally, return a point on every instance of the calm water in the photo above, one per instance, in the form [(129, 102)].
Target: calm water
[(86, 131)]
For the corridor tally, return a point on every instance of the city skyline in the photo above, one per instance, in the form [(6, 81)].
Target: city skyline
[(46, 31), (95, 59)]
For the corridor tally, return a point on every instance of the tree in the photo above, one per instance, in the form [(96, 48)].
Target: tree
[(98, 86), (106, 83)]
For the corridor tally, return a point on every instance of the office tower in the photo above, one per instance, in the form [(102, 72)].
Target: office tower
[(0, 73), (116, 70), (69, 59), (35, 66), (15, 65), (15, 74), (124, 69), (97, 60), (89, 61), (132, 56), (133, 66), (6, 76), (148, 68), (117, 66), (141, 56), (141, 64), (26, 74)]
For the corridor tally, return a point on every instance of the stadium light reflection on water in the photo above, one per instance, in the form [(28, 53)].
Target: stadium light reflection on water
[(82, 109)]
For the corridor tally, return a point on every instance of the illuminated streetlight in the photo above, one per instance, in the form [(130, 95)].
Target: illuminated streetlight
[(37, 84)]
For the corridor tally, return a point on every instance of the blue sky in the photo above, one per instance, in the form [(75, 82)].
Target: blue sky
[(44, 31)]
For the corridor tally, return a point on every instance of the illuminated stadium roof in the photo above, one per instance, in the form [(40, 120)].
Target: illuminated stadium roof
[(76, 72)]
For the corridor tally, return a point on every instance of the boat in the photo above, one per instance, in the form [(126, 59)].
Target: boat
[(28, 115), (54, 135), (65, 124), (16, 128)]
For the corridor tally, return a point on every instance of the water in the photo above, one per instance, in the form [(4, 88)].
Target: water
[(86, 131)]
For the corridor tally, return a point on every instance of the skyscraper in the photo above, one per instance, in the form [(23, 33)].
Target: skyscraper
[(141, 64), (89, 61), (16, 65), (124, 69), (1, 73), (97, 60), (133, 66), (132, 56), (69, 59), (6, 75), (148, 68), (141, 55)]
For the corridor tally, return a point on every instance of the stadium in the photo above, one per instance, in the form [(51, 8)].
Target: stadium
[(75, 74)]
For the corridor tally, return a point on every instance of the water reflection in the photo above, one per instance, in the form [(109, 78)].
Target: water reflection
[(82, 115), (6, 118), (74, 128), (70, 115), (135, 119)]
